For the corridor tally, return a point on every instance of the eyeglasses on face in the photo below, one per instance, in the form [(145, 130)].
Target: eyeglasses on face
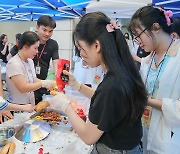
[(136, 38)]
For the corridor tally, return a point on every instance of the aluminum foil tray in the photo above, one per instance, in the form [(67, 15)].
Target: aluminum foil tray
[(33, 131), (64, 123)]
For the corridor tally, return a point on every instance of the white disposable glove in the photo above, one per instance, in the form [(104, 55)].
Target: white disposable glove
[(72, 81), (47, 83), (60, 102)]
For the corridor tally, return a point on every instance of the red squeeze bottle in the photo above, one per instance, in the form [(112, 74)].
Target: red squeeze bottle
[(61, 78)]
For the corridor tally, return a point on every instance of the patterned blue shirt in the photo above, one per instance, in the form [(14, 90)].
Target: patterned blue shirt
[(153, 75)]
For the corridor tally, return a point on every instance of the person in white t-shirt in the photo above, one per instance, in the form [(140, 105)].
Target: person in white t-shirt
[(21, 78)]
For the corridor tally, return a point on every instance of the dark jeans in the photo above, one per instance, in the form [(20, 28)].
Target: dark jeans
[(100, 148)]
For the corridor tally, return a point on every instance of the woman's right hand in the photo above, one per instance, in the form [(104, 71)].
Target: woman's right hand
[(27, 108), (72, 81)]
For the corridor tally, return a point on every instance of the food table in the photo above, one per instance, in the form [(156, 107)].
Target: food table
[(59, 141)]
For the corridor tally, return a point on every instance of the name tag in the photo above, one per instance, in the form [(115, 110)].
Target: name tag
[(38, 69), (97, 79)]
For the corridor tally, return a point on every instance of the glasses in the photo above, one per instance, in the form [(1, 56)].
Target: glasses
[(136, 39)]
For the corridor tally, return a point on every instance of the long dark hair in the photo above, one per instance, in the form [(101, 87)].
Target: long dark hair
[(117, 59), (28, 38), (146, 16), (175, 26), (18, 36), (2, 38), (16, 46)]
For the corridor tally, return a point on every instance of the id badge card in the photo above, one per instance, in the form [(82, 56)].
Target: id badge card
[(146, 118), (38, 69), (97, 79)]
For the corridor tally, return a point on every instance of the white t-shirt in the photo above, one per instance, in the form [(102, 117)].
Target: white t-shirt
[(134, 48), (88, 75), (16, 66)]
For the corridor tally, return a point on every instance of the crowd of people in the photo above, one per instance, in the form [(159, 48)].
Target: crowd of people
[(133, 110)]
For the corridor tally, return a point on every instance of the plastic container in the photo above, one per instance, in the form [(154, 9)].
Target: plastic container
[(80, 101), (47, 98), (5, 133)]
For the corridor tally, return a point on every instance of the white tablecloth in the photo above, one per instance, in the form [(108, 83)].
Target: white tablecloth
[(59, 141)]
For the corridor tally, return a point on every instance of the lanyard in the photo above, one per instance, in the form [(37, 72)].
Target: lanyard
[(159, 68), (39, 57), (31, 96), (26, 70)]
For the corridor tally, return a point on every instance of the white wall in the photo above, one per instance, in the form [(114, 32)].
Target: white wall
[(12, 28), (63, 35)]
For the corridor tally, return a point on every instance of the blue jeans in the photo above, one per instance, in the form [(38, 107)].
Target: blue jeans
[(100, 148)]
